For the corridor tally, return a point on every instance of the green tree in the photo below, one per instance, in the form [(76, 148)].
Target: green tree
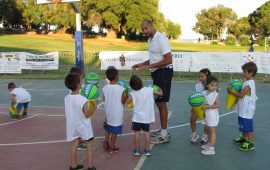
[(9, 13), (214, 21), (240, 27), (260, 20), (173, 31)]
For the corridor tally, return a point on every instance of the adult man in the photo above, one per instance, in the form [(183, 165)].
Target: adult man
[(160, 64)]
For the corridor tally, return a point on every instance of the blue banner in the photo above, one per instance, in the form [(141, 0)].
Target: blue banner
[(79, 49)]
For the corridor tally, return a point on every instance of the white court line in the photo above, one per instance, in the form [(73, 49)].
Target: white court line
[(3, 124), (143, 157), (99, 137)]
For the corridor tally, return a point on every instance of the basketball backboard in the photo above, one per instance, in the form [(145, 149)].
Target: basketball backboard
[(53, 1)]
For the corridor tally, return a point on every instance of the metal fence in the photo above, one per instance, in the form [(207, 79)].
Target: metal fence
[(92, 63)]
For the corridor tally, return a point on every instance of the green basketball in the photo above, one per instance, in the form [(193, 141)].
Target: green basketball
[(196, 99), (91, 78), (236, 85), (124, 84), (90, 91), (156, 88)]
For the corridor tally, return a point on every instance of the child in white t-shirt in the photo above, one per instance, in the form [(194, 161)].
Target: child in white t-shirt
[(143, 106), (78, 124), (211, 114), (114, 97), (245, 107), (20, 98), (199, 87)]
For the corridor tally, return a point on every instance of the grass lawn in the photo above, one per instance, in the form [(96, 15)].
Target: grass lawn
[(49, 43)]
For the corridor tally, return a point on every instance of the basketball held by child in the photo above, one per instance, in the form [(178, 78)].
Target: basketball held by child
[(91, 92), (234, 86), (92, 78), (155, 88), (124, 84), (12, 112), (196, 101)]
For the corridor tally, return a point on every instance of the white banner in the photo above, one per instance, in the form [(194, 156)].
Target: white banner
[(14, 62), (10, 63), (54, 1), (216, 62), (225, 62), (49, 61), (122, 60)]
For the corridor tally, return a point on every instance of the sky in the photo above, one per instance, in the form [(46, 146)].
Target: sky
[(184, 11)]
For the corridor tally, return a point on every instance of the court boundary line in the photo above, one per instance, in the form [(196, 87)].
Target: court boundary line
[(20, 120), (99, 137)]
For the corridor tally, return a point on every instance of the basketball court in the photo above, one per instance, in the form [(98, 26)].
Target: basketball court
[(38, 141)]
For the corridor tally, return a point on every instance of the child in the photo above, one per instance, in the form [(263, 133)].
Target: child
[(19, 98), (246, 107), (199, 87), (75, 70), (211, 114), (78, 124), (114, 100), (144, 114)]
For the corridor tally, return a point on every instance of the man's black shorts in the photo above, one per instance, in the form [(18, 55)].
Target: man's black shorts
[(140, 126), (162, 77)]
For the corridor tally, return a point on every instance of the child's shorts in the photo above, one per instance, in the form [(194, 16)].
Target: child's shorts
[(245, 125), (19, 106), (113, 129), (140, 126)]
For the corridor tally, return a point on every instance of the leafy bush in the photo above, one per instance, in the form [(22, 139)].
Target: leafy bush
[(231, 40), (244, 41)]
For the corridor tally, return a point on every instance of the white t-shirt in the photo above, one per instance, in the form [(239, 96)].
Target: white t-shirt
[(143, 105), (77, 125), (246, 106), (199, 87), (211, 115), (159, 45), (114, 108), (22, 96)]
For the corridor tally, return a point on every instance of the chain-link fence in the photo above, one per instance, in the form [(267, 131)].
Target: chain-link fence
[(92, 63)]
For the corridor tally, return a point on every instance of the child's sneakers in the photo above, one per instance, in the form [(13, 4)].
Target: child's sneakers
[(204, 139), (136, 152), (78, 167), (194, 138), (14, 117), (82, 146), (246, 146), (24, 114), (92, 168), (208, 151), (205, 147), (240, 140), (147, 152), (113, 150)]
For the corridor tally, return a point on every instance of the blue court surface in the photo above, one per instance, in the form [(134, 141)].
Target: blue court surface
[(179, 153)]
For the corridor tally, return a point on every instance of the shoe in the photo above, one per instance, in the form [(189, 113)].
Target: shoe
[(240, 140), (106, 145), (147, 152), (14, 117), (208, 151), (155, 133), (204, 139), (79, 167), (92, 168), (113, 150), (136, 152), (194, 138), (247, 146), (159, 139), (24, 114), (205, 147), (82, 146)]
